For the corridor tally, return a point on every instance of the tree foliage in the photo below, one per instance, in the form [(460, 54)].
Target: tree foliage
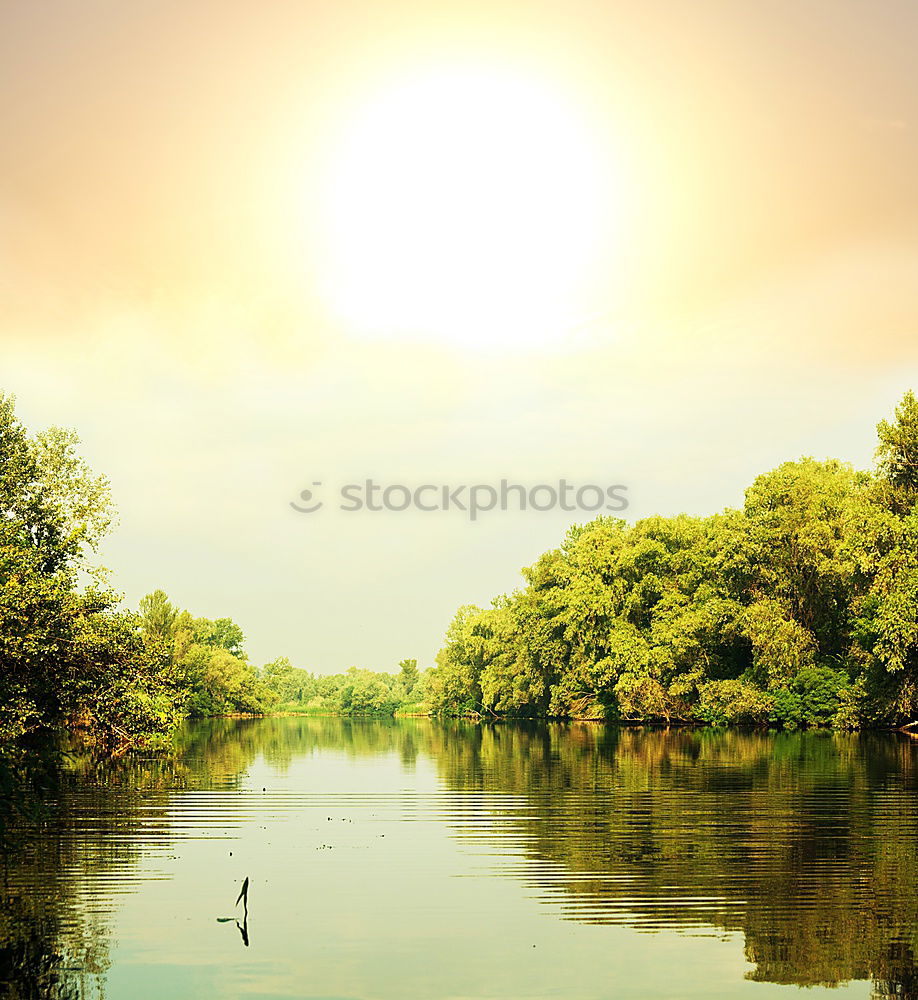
[(354, 692), (67, 655), (897, 452), (69, 658), (801, 608)]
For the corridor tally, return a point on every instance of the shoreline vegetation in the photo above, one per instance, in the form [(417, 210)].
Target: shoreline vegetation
[(799, 609)]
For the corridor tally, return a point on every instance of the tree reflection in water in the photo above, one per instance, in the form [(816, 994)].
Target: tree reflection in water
[(805, 843)]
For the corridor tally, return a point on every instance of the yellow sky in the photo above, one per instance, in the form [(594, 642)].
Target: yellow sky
[(246, 247)]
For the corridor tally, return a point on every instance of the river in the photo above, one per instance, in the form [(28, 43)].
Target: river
[(394, 860)]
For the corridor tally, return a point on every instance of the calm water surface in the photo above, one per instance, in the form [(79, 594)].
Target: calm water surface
[(416, 859)]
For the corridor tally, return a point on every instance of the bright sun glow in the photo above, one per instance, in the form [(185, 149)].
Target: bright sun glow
[(466, 205)]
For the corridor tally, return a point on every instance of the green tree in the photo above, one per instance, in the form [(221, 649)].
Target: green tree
[(289, 683), (31, 523), (805, 524), (158, 615), (408, 674), (897, 452), (66, 656), (81, 500), (455, 683), (800, 608), (222, 632)]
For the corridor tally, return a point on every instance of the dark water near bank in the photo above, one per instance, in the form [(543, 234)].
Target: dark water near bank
[(416, 859)]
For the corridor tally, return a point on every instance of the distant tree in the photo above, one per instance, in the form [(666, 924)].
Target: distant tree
[(157, 615), (408, 674), (289, 683), (222, 632), (366, 693)]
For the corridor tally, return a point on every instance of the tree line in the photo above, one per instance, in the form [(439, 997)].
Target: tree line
[(72, 659), (209, 673), (800, 608)]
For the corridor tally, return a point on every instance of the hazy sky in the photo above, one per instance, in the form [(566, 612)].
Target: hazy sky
[(246, 248)]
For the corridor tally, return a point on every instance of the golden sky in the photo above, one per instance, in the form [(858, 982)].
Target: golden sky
[(248, 247)]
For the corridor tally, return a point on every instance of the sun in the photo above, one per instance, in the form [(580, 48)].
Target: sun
[(467, 205)]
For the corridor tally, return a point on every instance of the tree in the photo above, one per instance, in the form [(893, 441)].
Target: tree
[(30, 523), (66, 656), (289, 683), (81, 500), (222, 632), (806, 522), (158, 615), (799, 608), (408, 674), (897, 452), (454, 684)]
